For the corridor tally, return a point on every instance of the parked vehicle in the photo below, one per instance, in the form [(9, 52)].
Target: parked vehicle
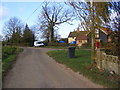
[(38, 44)]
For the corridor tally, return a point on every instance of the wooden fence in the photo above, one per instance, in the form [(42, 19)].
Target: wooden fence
[(107, 62)]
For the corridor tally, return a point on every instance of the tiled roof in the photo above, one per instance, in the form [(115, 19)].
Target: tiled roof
[(82, 35), (73, 34), (105, 30)]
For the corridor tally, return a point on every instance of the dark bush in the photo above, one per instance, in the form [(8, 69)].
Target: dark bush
[(58, 44), (113, 47), (16, 44), (72, 45), (85, 45)]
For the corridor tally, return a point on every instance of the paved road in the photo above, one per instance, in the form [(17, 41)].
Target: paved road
[(35, 69)]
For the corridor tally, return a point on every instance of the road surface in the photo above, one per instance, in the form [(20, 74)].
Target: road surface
[(35, 69)]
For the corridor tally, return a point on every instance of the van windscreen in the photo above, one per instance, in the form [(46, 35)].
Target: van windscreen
[(38, 42)]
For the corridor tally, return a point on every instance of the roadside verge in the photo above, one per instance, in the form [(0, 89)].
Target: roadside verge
[(9, 55), (82, 64)]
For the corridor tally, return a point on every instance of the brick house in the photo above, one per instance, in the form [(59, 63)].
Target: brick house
[(81, 38), (73, 35)]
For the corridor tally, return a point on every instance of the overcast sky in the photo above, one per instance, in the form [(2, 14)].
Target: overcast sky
[(24, 11)]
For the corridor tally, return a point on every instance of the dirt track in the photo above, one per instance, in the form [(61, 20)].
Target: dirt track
[(35, 69)]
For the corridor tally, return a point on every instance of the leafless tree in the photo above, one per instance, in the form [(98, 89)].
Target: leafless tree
[(52, 15), (84, 10), (12, 26)]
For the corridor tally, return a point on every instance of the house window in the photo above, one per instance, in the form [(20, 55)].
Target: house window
[(80, 41), (97, 35)]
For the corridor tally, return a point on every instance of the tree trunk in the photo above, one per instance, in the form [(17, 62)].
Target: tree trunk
[(52, 35)]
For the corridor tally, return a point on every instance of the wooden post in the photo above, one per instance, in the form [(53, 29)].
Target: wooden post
[(92, 33)]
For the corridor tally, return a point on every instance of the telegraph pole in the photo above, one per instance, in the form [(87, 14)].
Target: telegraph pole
[(92, 28)]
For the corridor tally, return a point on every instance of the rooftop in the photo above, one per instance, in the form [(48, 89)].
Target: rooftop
[(82, 35)]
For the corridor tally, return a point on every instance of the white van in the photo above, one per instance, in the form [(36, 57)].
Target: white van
[(38, 44)]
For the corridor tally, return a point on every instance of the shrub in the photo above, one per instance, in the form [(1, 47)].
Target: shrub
[(113, 47), (85, 45), (58, 44), (72, 45)]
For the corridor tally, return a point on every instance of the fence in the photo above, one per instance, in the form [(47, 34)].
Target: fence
[(107, 62)]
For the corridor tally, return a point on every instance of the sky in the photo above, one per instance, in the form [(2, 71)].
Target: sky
[(24, 11)]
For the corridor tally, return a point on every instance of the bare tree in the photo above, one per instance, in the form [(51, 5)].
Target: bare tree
[(12, 26), (13, 30), (83, 11), (52, 15), (115, 6)]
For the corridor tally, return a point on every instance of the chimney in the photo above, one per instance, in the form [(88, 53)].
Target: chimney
[(78, 30)]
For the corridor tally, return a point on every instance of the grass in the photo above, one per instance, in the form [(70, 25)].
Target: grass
[(9, 55), (64, 47), (82, 64)]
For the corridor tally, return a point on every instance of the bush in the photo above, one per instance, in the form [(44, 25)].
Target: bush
[(72, 45), (58, 44), (85, 45), (16, 44), (113, 47)]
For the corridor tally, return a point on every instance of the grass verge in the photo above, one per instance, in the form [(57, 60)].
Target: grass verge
[(65, 47), (9, 55), (82, 64)]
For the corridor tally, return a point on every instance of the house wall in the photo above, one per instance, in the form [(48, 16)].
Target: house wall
[(70, 39), (80, 42), (103, 37), (89, 38)]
